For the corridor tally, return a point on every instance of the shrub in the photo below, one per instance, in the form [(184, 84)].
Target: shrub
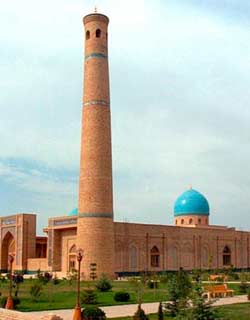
[(35, 292), (72, 276), (88, 296), (243, 287), (3, 302), (140, 314), (17, 280), (16, 301), (160, 312), (121, 296), (55, 280), (93, 313), (43, 277), (103, 284)]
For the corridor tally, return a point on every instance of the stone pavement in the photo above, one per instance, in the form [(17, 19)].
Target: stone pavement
[(129, 310)]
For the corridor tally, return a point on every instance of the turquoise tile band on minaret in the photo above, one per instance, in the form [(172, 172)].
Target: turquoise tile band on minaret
[(96, 55)]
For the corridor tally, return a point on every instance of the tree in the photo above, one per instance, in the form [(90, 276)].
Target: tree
[(88, 296), (140, 314), (103, 284), (139, 285), (179, 290), (202, 309), (93, 313)]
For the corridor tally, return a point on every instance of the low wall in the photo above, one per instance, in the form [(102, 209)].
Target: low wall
[(15, 315), (37, 263)]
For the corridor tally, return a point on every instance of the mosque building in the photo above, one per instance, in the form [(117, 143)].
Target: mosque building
[(115, 248)]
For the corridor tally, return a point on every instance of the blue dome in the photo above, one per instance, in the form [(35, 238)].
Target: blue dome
[(191, 202), (73, 212)]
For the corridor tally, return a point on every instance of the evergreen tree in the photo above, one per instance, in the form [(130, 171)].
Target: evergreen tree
[(202, 309), (179, 290)]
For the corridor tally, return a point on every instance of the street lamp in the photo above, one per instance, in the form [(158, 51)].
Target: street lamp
[(9, 302), (77, 311)]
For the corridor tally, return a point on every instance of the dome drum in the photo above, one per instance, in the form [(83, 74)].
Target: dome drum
[(191, 220)]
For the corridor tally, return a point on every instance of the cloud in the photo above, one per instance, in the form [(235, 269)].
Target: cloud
[(180, 105)]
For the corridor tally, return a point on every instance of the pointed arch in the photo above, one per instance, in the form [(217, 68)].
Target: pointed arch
[(155, 257), (72, 249), (8, 247), (72, 258), (226, 256)]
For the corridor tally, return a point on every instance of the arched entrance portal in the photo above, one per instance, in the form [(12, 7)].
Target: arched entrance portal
[(8, 247)]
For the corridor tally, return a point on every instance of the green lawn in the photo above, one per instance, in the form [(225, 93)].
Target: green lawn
[(63, 295), (239, 311)]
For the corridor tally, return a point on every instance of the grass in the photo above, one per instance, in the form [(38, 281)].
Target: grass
[(63, 295), (239, 311)]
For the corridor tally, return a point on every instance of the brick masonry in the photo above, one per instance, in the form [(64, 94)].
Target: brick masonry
[(95, 229)]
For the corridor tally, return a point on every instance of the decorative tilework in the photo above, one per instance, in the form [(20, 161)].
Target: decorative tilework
[(9, 221), (64, 222), (191, 202), (95, 55), (96, 215), (96, 102)]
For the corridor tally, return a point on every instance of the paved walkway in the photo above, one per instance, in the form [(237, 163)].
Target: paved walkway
[(129, 309)]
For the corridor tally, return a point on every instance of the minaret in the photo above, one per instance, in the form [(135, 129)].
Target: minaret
[(95, 229)]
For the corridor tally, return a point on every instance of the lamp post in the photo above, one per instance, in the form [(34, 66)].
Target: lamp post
[(9, 302), (77, 311)]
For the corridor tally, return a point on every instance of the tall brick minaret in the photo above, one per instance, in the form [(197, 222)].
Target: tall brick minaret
[(95, 229)]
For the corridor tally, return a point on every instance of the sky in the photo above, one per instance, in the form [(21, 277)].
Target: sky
[(180, 103)]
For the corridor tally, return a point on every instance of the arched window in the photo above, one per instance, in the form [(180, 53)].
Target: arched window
[(155, 257), (190, 221), (87, 35), (176, 222), (199, 221), (98, 33), (133, 257), (182, 221), (226, 256), (72, 258)]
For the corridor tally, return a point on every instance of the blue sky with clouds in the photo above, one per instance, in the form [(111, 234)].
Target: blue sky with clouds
[(180, 78)]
